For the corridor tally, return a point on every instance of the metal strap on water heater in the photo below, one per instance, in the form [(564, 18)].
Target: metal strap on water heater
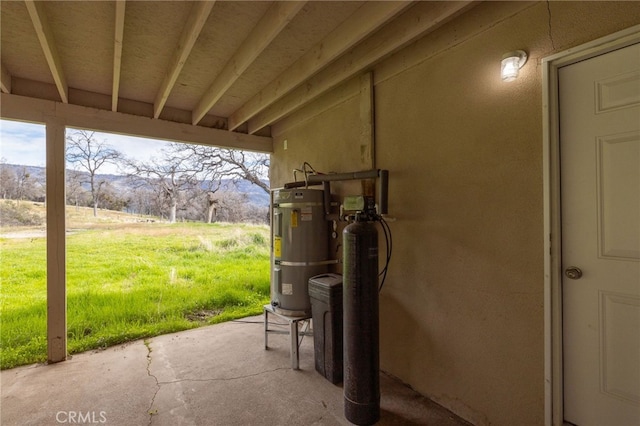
[(324, 262), (297, 205)]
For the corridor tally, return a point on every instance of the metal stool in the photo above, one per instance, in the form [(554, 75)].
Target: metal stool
[(292, 332)]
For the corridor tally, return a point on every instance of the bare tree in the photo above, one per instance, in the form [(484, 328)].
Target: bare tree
[(220, 163), (75, 191), (142, 200), (234, 207), (171, 176), (86, 152), (8, 180), (213, 165), (187, 177), (25, 185)]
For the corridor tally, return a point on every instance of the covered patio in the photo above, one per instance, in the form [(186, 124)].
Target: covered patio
[(215, 375), (472, 314)]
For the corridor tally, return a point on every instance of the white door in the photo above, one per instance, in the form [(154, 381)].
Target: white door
[(600, 192)]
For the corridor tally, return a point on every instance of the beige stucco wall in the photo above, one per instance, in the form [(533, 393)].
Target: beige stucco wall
[(462, 311)]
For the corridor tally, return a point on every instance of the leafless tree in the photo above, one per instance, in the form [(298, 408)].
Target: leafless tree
[(25, 185), (234, 207), (87, 153), (171, 176), (187, 177), (220, 163), (8, 180), (74, 188), (214, 165)]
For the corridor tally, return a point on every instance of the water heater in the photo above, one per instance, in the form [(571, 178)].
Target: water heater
[(300, 247)]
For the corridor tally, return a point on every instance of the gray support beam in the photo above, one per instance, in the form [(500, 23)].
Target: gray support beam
[(56, 244)]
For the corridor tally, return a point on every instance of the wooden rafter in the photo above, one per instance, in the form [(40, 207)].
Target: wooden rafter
[(47, 42), (198, 16), (117, 52), (353, 30), (273, 21), (5, 80), (391, 38)]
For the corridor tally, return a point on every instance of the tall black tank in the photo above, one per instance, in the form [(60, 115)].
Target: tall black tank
[(361, 325)]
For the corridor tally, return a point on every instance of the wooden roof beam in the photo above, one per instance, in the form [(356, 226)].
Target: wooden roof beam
[(117, 52), (197, 18), (5, 80), (354, 29), (47, 42), (405, 29), (271, 24)]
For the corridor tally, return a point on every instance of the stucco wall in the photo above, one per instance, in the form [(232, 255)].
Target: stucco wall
[(462, 311)]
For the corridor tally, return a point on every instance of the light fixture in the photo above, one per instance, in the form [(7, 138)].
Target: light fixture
[(511, 64)]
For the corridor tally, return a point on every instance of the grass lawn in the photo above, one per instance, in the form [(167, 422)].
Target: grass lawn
[(126, 281)]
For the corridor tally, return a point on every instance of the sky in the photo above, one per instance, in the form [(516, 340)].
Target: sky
[(24, 144)]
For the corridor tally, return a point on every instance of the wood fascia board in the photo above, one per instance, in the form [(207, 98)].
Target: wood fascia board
[(198, 16), (21, 108), (271, 24), (117, 52), (408, 27), (5, 79), (367, 19), (47, 42)]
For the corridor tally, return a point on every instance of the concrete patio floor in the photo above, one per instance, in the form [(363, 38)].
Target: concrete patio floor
[(214, 375)]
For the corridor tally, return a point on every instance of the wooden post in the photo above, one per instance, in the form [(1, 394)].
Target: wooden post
[(56, 244), (367, 124), (367, 133)]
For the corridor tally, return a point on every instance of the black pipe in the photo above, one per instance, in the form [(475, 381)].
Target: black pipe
[(361, 325)]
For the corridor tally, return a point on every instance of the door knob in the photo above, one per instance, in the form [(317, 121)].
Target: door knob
[(573, 272)]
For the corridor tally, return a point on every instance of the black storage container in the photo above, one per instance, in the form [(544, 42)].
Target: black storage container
[(325, 292)]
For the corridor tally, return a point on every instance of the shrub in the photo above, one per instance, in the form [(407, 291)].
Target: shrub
[(13, 214)]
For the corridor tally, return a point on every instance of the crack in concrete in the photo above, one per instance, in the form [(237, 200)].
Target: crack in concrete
[(147, 343), (159, 384), (224, 379)]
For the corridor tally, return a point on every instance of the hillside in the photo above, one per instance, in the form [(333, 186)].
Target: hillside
[(255, 194), (28, 219)]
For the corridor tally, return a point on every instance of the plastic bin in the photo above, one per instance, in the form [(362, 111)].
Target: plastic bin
[(325, 293)]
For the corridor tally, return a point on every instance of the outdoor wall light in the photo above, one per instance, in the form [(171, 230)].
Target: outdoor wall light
[(511, 64)]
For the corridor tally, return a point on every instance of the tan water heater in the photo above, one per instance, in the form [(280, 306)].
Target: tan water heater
[(300, 247)]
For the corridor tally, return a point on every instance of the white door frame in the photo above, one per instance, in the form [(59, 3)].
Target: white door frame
[(551, 196)]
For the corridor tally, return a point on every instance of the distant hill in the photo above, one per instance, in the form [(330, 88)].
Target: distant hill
[(255, 194)]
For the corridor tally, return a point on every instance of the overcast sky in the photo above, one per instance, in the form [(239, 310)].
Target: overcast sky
[(24, 144)]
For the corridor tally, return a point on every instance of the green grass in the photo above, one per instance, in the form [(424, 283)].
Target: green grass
[(129, 281)]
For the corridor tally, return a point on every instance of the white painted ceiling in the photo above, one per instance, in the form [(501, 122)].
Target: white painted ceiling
[(227, 64)]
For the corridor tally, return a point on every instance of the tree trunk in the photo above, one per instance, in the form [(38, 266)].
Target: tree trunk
[(172, 212), (94, 196), (211, 212)]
